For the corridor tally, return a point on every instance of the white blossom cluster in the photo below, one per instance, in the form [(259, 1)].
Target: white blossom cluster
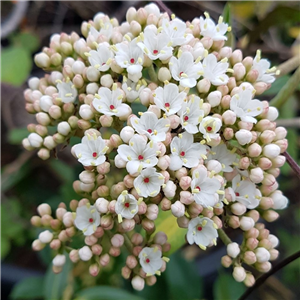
[(203, 147)]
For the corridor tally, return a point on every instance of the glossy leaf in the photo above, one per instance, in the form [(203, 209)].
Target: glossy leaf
[(16, 135), (29, 288), (225, 287), (105, 293), (55, 284), (183, 279), (16, 65), (167, 223), (26, 40)]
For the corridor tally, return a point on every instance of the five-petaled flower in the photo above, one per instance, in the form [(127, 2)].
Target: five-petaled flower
[(126, 206), (151, 260)]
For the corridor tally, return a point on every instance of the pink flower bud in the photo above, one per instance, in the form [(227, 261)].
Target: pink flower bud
[(239, 71), (165, 204), (239, 274), (46, 236), (228, 133), (203, 85), (74, 255), (138, 283), (102, 205), (254, 150), (96, 249), (131, 261), (178, 209), (186, 197), (42, 60), (169, 189), (280, 201), (234, 222), (249, 257), (214, 98), (262, 254), (68, 219), (152, 212), (226, 261), (117, 240), (243, 136), (229, 117), (251, 243), (126, 134), (233, 250), (104, 259), (263, 267), (107, 222), (44, 209), (85, 253), (246, 223), (264, 163), (214, 165), (236, 57), (148, 225), (94, 270), (126, 272), (59, 260), (128, 225), (142, 208), (185, 182), (195, 209), (256, 175), (260, 87), (55, 244), (238, 208), (37, 245), (164, 162), (137, 239), (273, 254)]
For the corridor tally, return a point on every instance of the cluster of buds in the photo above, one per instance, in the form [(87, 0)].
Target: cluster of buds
[(202, 147)]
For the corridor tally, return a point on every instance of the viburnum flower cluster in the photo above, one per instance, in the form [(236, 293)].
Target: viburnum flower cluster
[(203, 146)]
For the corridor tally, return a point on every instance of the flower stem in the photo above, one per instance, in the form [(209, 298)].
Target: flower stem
[(265, 276), (127, 242), (287, 90), (164, 7), (295, 167), (152, 74), (224, 237)]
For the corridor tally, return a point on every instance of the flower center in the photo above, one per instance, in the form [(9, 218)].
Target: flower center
[(237, 194), (147, 260), (94, 154), (182, 153), (199, 228), (185, 118), (208, 128), (149, 130), (103, 64), (91, 220), (146, 180), (155, 51), (180, 73), (132, 60), (167, 104), (198, 187), (140, 157), (126, 204), (112, 107)]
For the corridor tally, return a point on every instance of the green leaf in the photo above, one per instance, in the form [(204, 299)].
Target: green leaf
[(64, 171), (16, 135), (183, 279), (227, 14), (277, 85), (5, 246), (28, 288), (55, 284), (26, 40), (105, 293), (16, 65), (225, 287), (167, 223)]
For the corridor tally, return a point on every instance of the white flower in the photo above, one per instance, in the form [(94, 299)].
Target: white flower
[(205, 188), (150, 260), (87, 219), (131, 57), (132, 89), (192, 114), (126, 206), (109, 102), (169, 99), (244, 107), (66, 91), (185, 152), (202, 232), (185, 70), (245, 192), (262, 66), (210, 29), (138, 154), (106, 30), (101, 58), (148, 183), (148, 124), (223, 155), (156, 45), (152, 8), (85, 253), (175, 30), (209, 127), (215, 71), (91, 151), (59, 260)]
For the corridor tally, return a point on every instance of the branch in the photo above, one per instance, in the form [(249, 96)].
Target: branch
[(292, 164), (265, 276), (162, 6), (289, 123), (289, 65), (287, 90), (224, 237)]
